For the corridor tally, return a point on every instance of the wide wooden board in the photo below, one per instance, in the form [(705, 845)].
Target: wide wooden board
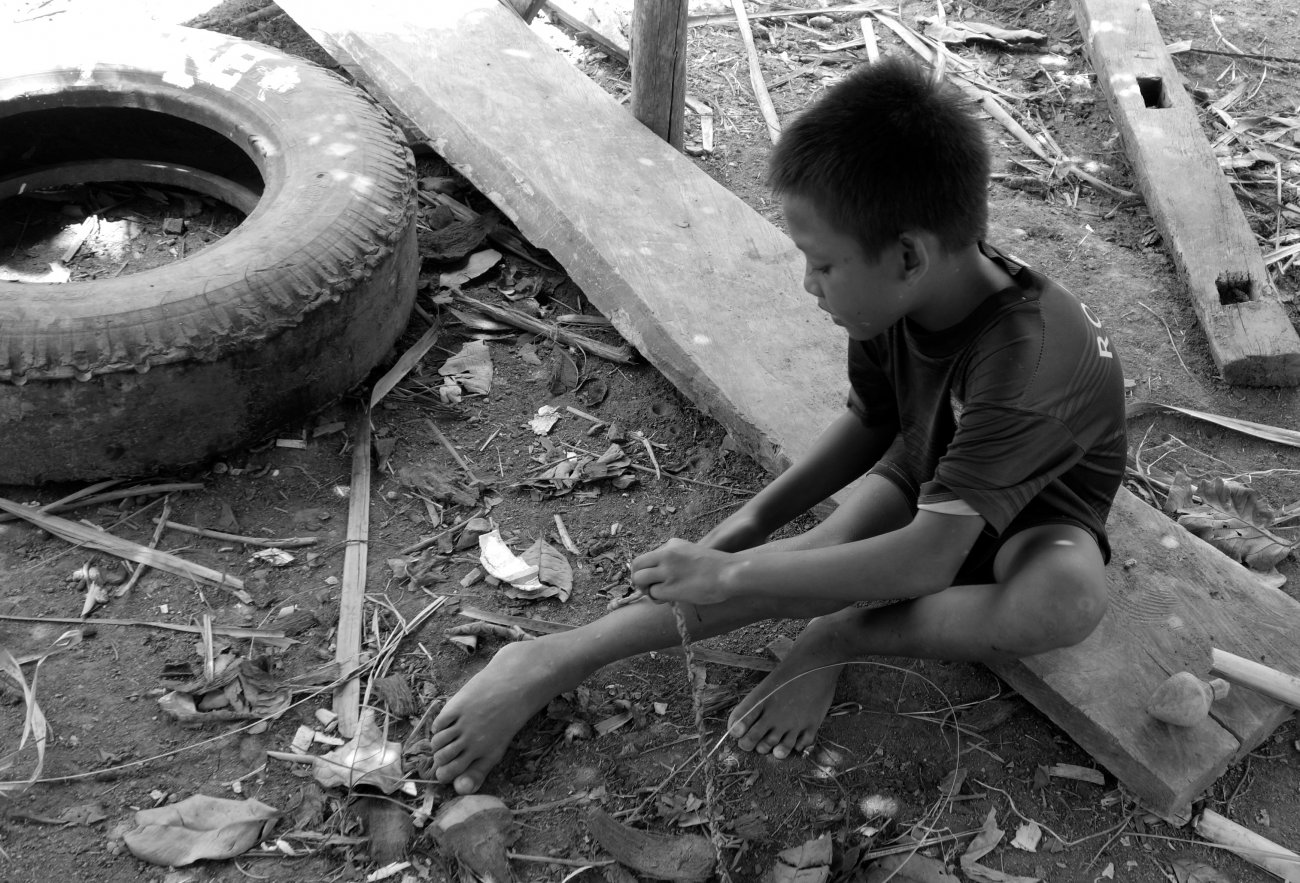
[(1252, 342), (710, 292)]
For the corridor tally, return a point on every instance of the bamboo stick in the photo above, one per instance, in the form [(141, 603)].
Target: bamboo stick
[(282, 542), (526, 322), (352, 594), (756, 72), (103, 541), (1253, 676), (1257, 850)]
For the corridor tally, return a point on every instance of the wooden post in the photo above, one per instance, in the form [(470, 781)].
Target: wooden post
[(659, 67)]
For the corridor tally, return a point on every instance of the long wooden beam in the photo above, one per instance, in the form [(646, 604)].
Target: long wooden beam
[(709, 292), (1218, 259)]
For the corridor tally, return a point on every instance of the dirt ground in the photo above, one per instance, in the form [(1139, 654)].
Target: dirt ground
[(626, 740)]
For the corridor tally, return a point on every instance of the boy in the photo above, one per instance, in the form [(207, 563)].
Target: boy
[(985, 419)]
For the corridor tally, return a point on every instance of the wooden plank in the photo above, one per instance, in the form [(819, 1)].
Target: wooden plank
[(1178, 599), (1251, 338), (687, 272), (709, 292)]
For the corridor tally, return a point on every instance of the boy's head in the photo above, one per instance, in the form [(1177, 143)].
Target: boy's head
[(887, 151)]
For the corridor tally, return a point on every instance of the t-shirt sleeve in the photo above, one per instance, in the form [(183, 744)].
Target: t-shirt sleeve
[(871, 393), (1011, 441), (999, 460)]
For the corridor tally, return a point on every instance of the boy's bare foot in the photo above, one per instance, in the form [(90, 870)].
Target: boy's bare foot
[(472, 733), (783, 713)]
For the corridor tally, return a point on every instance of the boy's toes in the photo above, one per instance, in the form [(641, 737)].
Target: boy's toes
[(469, 782)]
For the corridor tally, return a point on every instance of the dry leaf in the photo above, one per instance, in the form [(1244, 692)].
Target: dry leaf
[(478, 264), (985, 841), (809, 862), (984, 874), (199, 827), (909, 868), (1232, 518), (1188, 870), (553, 569), (564, 373), (471, 368), (369, 759), (34, 727)]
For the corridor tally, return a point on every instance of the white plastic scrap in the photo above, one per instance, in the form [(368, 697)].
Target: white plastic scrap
[(500, 562)]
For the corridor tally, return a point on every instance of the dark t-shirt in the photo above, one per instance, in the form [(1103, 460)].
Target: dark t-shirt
[(1017, 411)]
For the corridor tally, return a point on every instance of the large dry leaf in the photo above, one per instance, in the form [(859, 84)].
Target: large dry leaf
[(909, 868), (368, 759), (478, 264), (34, 727), (809, 862), (553, 569), (983, 874), (199, 827), (985, 841), (1232, 518), (471, 367)]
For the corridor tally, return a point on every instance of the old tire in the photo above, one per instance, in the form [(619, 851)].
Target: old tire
[(147, 372)]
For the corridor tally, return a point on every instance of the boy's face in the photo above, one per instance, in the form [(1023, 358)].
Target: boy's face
[(863, 296)]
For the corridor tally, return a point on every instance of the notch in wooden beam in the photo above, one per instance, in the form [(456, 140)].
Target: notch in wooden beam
[(1153, 92), (1235, 288)]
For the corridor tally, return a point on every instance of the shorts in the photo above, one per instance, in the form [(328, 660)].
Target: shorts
[(977, 569)]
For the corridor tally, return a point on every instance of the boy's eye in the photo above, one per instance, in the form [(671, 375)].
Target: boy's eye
[(824, 269)]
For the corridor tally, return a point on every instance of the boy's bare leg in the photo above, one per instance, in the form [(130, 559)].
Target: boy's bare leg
[(473, 731), (1051, 593)]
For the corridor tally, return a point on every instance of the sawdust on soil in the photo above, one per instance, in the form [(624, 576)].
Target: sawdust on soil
[(627, 736)]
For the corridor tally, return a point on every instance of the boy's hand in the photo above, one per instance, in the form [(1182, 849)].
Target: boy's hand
[(682, 571)]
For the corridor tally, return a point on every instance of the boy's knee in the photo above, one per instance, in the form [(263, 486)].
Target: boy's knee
[(1082, 605)]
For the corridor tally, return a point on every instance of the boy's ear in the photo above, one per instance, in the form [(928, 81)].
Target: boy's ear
[(913, 253)]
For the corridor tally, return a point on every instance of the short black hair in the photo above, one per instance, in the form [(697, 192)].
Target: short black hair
[(887, 150)]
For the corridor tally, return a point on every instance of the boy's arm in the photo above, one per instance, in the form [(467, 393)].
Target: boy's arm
[(842, 453), (918, 559)]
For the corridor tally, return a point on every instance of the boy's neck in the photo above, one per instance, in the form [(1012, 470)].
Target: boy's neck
[(956, 284)]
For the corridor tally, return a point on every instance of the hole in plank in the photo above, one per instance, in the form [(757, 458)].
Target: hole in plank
[(1235, 289), (1153, 91)]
